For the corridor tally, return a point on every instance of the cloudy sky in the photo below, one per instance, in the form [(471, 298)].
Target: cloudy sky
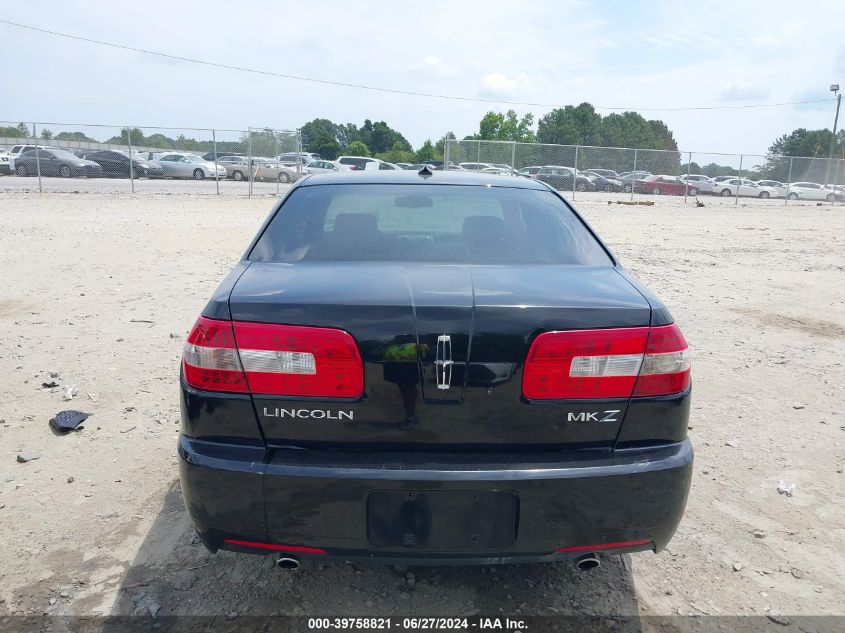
[(614, 54)]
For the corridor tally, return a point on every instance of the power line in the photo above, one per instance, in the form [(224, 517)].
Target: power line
[(411, 93)]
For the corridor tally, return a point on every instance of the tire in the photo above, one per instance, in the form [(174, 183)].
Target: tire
[(608, 188), (764, 194), (65, 172), (199, 174), (830, 197), (284, 177), (237, 175), (656, 191), (627, 188), (22, 171), (726, 193), (693, 192), (793, 196)]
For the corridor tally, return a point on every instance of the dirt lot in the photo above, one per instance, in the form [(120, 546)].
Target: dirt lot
[(100, 290)]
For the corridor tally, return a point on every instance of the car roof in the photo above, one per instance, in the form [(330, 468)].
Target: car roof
[(411, 177)]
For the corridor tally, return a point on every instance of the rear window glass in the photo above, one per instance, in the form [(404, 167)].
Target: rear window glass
[(427, 223)]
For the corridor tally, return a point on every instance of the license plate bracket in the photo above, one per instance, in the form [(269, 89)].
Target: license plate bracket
[(442, 520)]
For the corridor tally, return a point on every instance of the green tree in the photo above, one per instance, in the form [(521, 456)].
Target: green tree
[(16, 131), (78, 137), (46, 134), (357, 148), (807, 144), (507, 126), (571, 125), (427, 152), (397, 154)]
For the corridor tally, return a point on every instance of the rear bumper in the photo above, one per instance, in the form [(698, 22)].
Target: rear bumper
[(318, 499)]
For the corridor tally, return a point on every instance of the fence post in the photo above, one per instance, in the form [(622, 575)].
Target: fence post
[(736, 197), (276, 154), (214, 148), (249, 159), (788, 183), (634, 171), (575, 173), (37, 157), (479, 152), (835, 179), (513, 157), (299, 149), (131, 167), (446, 140), (689, 166)]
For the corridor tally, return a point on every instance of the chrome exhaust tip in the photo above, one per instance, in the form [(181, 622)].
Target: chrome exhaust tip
[(288, 563), (587, 562)]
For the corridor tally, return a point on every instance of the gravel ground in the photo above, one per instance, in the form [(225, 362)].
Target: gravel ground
[(100, 290)]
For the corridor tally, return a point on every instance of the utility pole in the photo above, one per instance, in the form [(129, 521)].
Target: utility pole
[(834, 88)]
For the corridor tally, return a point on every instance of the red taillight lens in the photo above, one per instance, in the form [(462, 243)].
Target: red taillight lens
[(611, 363), (283, 360), (294, 360), (210, 360)]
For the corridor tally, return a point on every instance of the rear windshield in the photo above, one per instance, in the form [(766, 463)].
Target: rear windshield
[(427, 223)]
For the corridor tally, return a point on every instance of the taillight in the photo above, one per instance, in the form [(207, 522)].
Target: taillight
[(283, 360), (210, 359), (294, 360), (611, 363)]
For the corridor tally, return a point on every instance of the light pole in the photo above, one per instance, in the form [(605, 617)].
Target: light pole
[(834, 88)]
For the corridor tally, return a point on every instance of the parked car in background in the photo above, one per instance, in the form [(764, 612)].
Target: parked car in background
[(530, 172), (116, 165), (475, 166), (722, 178), (17, 150), (179, 165), (356, 162), (271, 169), (627, 179), (5, 162), (744, 187), (602, 183), (663, 184), (838, 192), (324, 167), (777, 185), (703, 183), (237, 167), (209, 156), (564, 178), (810, 191), (405, 165), (499, 171), (301, 158), (606, 173), (55, 162)]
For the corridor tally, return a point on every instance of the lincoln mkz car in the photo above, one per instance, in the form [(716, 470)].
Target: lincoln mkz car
[(433, 368)]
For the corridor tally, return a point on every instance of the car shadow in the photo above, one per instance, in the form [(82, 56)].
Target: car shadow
[(174, 575)]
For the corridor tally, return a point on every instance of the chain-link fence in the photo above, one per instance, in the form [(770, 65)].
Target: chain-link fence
[(647, 173), (99, 158)]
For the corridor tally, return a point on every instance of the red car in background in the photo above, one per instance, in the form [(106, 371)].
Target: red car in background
[(662, 184)]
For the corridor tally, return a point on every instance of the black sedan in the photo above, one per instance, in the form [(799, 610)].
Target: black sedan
[(116, 165), (55, 162), (433, 367)]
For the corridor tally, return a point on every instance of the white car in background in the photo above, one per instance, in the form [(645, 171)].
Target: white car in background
[(5, 162), (744, 187), (324, 167), (476, 166), (183, 165), (810, 191), (777, 185), (703, 183)]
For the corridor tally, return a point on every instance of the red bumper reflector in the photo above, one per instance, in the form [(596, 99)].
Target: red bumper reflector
[(297, 549), (593, 548)]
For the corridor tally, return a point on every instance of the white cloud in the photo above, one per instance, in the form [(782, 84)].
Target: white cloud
[(743, 92), (432, 66), (496, 85)]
